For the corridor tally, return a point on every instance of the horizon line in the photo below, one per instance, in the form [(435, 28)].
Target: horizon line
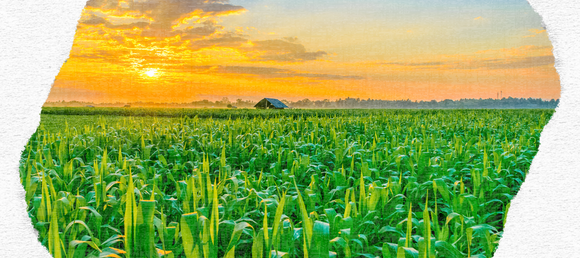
[(335, 100)]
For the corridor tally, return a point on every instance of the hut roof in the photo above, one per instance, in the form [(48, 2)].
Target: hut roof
[(274, 102)]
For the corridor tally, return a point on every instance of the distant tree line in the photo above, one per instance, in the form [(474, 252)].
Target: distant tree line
[(444, 104), (348, 103)]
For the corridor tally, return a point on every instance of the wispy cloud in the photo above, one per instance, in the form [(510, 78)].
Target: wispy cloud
[(285, 50), (262, 72), (535, 32), (512, 58)]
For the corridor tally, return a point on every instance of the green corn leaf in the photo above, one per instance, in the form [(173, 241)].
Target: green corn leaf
[(321, 234), (230, 251)]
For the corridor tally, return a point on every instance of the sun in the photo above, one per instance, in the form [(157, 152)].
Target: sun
[(151, 72)]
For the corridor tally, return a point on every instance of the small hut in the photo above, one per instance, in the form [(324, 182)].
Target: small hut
[(128, 105), (269, 103)]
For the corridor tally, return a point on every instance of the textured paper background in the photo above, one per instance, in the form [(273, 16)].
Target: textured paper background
[(36, 37)]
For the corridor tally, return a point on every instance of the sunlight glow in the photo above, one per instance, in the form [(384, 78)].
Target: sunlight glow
[(151, 72)]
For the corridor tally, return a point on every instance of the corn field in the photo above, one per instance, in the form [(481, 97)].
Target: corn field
[(365, 183)]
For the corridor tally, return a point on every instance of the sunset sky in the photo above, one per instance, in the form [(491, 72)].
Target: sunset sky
[(188, 50)]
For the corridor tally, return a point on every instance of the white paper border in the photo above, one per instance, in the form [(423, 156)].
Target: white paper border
[(36, 37)]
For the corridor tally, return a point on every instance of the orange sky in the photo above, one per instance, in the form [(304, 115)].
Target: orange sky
[(187, 50)]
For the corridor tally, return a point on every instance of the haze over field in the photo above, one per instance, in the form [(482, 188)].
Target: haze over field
[(183, 51)]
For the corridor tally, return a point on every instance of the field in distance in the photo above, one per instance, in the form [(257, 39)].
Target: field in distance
[(276, 183)]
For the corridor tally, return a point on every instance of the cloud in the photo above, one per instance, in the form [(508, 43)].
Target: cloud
[(535, 32), (503, 63), (515, 63), (511, 58), (286, 50), (530, 50), (230, 40), (173, 28), (198, 32), (250, 70), (415, 64), (270, 72), (91, 19), (262, 72), (162, 15)]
